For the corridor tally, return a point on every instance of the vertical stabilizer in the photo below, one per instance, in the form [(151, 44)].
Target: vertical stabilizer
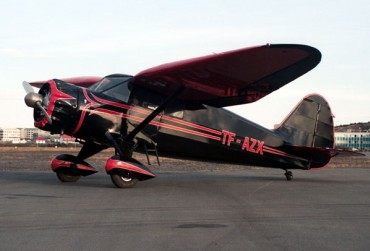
[(310, 124)]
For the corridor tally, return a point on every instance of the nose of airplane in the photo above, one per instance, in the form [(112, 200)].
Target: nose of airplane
[(36, 100)]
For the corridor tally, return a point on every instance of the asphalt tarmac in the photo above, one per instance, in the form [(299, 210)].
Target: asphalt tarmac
[(254, 209)]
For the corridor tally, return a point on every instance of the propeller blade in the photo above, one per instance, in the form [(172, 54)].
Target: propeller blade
[(27, 87), (38, 104)]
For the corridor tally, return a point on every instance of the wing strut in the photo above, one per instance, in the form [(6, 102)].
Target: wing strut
[(130, 137), (126, 145)]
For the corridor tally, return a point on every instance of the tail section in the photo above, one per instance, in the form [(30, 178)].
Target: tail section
[(309, 131), (310, 124)]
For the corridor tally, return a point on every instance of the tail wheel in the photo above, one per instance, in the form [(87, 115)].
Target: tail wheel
[(122, 181), (288, 175), (67, 178)]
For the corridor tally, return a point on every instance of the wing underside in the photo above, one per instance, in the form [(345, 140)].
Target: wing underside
[(232, 78)]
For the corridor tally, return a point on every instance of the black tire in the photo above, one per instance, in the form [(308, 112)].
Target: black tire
[(123, 182), (67, 178), (289, 175)]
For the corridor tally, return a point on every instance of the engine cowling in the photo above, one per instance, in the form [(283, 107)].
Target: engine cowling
[(57, 106)]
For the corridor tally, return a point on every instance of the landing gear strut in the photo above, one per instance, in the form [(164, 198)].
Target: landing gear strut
[(125, 171), (288, 175)]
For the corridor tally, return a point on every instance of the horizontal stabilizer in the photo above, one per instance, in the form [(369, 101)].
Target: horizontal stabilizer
[(333, 152), (320, 157)]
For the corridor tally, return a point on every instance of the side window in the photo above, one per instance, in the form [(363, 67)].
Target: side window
[(120, 91), (116, 85), (145, 98), (151, 100)]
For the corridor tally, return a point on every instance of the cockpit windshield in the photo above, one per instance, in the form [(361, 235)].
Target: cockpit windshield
[(116, 86)]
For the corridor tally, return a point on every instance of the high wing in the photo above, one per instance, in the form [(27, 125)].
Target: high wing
[(232, 78)]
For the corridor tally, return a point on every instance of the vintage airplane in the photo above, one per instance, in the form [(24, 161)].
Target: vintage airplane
[(176, 109)]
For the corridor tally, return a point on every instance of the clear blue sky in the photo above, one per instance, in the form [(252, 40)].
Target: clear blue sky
[(44, 39)]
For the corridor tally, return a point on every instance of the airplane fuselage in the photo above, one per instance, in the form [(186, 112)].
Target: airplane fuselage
[(186, 130)]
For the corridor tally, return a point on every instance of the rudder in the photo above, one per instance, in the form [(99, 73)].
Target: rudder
[(310, 124)]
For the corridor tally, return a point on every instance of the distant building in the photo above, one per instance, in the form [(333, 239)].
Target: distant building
[(353, 140), (29, 134), (67, 139), (34, 135), (10, 135), (40, 140)]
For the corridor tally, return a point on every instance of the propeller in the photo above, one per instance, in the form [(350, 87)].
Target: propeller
[(27, 87), (33, 99)]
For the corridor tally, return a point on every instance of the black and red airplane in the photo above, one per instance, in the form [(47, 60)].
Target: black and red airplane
[(176, 109)]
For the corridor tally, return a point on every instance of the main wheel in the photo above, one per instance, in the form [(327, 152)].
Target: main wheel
[(67, 178), (122, 181)]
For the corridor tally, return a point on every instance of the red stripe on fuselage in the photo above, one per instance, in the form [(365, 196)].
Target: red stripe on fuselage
[(82, 117), (163, 117), (115, 104), (189, 124), (281, 153), (84, 110), (168, 126)]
